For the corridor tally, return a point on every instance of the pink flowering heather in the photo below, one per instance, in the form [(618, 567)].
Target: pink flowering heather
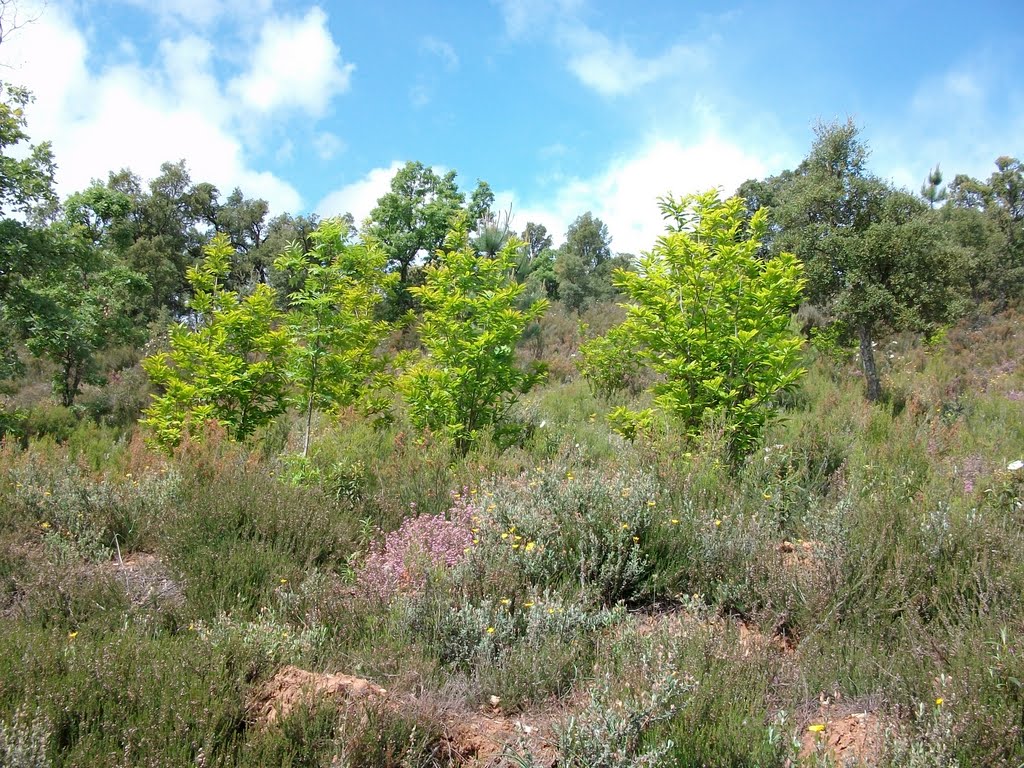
[(401, 562), (971, 468)]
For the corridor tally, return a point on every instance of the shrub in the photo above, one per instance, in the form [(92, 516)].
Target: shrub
[(711, 317), (470, 327), (403, 560)]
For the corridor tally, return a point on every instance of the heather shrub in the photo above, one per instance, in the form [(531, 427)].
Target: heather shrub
[(237, 530), (403, 560), (523, 650)]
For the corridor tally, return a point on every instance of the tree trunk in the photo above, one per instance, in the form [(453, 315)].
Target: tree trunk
[(867, 362), (309, 426)]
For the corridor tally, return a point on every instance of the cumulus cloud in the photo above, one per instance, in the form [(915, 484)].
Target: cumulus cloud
[(359, 197), (624, 194), (138, 116), (613, 68), (294, 64)]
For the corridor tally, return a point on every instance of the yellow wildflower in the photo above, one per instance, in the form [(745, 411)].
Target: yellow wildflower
[(650, 503), (625, 526), (44, 526), (528, 604), (490, 630), (530, 545), (72, 635), (674, 521), (717, 523), (816, 727), (939, 701)]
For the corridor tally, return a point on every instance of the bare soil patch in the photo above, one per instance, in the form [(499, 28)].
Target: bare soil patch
[(849, 739), (480, 738)]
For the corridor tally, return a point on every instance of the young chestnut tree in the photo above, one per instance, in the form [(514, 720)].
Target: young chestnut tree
[(710, 317), (336, 289), (229, 367), (468, 379)]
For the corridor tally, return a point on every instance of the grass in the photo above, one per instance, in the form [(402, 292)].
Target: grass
[(689, 610)]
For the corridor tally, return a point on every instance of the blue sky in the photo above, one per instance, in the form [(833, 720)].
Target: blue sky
[(562, 106)]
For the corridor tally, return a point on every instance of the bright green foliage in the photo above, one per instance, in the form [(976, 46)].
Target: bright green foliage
[(609, 361), (337, 287), (711, 318), (229, 367), (470, 327)]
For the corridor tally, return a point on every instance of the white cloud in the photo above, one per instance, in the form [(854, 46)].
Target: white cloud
[(327, 145), (624, 195), (961, 118), (294, 64), (133, 116), (613, 69), (359, 197), (442, 50)]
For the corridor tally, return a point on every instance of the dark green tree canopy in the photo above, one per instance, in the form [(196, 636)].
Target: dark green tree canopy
[(875, 259)]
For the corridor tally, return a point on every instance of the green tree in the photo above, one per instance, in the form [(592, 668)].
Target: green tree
[(26, 185), (82, 301), (244, 221), (875, 259), (584, 264), (932, 189), (26, 176), (411, 221), (337, 287), (711, 318), (414, 216), (227, 364), (999, 203), (469, 379)]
